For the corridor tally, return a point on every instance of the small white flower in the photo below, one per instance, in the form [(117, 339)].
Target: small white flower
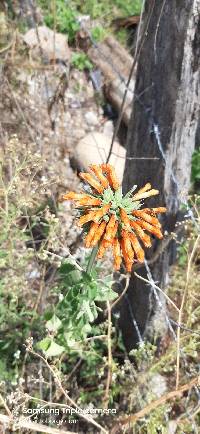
[(17, 354), (61, 296)]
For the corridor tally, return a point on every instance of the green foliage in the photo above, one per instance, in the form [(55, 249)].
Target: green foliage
[(103, 9), (20, 219), (196, 166), (129, 7), (94, 8), (183, 253), (154, 423), (145, 352), (64, 20), (70, 321), (65, 17), (98, 33), (81, 61), (15, 312)]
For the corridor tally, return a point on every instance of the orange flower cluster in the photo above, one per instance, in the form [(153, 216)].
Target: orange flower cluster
[(115, 220)]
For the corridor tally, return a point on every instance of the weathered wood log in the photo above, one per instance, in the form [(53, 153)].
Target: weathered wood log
[(163, 125), (126, 22), (115, 63)]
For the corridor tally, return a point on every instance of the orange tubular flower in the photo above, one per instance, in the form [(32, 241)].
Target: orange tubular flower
[(86, 218), (124, 218), (127, 260), (117, 254), (115, 220), (111, 228), (154, 211), (127, 244), (101, 212), (113, 181), (150, 228), (147, 217), (99, 174), (88, 201), (137, 247), (98, 234), (91, 234), (141, 194), (73, 196), (141, 234), (102, 249), (109, 236), (92, 181)]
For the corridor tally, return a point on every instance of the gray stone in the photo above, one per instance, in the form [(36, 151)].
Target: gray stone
[(94, 149), (53, 45), (172, 427), (108, 128), (91, 119)]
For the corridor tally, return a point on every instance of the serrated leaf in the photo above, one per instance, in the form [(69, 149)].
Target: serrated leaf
[(53, 324), (54, 350), (92, 292), (106, 294), (86, 309), (44, 344), (86, 329), (66, 268), (69, 273), (86, 277)]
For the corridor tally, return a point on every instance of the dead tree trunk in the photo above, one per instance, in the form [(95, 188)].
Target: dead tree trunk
[(162, 133)]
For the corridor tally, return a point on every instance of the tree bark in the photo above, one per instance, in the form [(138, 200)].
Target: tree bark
[(162, 130)]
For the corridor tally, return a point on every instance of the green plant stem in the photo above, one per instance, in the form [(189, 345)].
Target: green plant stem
[(92, 259)]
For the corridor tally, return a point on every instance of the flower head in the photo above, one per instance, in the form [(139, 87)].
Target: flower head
[(113, 220)]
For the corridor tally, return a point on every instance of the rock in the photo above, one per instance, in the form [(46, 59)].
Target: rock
[(108, 128), (91, 119), (94, 149), (172, 427), (53, 45), (157, 385)]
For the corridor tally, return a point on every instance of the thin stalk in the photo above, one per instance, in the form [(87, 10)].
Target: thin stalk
[(92, 259)]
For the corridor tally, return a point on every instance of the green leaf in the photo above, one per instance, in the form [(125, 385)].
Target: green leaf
[(92, 292), (50, 348), (118, 195), (54, 350), (106, 293), (86, 309), (44, 344), (53, 324), (66, 268), (108, 195), (69, 272)]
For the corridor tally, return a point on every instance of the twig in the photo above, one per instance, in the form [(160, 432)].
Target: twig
[(123, 292), (182, 306), (161, 247), (146, 410), (6, 48), (62, 258), (32, 426), (183, 327), (109, 375), (5, 406), (59, 384), (20, 111), (159, 289)]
